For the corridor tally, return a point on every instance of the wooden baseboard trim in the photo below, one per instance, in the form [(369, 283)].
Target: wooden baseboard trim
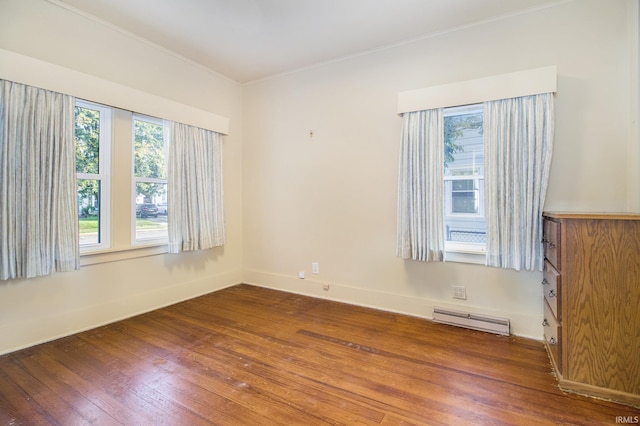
[(590, 390), (599, 392)]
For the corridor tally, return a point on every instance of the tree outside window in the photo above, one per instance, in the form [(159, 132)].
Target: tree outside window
[(150, 178), (92, 138)]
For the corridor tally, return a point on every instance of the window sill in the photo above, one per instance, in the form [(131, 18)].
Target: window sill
[(114, 255), (465, 253)]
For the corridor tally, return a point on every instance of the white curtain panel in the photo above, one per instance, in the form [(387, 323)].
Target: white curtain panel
[(38, 207), (518, 135), (194, 196), (421, 187)]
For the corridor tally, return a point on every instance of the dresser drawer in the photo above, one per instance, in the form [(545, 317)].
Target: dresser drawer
[(551, 241), (553, 336), (552, 288)]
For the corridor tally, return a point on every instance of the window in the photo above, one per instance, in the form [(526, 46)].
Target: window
[(123, 184), (465, 226), (149, 179), (465, 196), (516, 117), (108, 176), (93, 142)]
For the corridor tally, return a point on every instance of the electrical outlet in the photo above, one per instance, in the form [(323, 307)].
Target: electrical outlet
[(326, 287), (301, 275), (459, 292)]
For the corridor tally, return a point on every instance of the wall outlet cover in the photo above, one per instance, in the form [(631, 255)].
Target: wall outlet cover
[(459, 292)]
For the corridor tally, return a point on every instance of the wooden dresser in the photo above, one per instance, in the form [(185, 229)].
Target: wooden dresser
[(592, 302)]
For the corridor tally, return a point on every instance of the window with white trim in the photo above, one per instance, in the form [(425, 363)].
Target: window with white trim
[(465, 225), (93, 146), (149, 180), (122, 182)]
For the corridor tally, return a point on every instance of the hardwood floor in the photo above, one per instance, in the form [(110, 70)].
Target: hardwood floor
[(253, 356)]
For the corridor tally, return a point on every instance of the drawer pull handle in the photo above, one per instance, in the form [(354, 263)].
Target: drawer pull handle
[(545, 323), (545, 282), (552, 340), (552, 293)]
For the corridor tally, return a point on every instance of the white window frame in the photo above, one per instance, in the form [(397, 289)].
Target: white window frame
[(104, 176), (456, 251), (478, 183), (135, 241)]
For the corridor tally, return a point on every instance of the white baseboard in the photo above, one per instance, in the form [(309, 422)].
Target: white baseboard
[(48, 327), (15, 336), (521, 325)]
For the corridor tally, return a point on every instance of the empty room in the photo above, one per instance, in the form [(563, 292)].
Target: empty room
[(257, 212)]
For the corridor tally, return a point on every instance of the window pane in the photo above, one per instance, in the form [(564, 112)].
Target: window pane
[(149, 150), (89, 211), (150, 222), (92, 130), (464, 157), (87, 132), (464, 202), (463, 185)]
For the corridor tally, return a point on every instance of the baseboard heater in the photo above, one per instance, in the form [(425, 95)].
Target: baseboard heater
[(473, 321)]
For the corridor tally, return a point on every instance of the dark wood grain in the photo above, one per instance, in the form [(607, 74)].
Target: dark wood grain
[(253, 356)]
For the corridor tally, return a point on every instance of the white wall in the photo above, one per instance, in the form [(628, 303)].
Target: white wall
[(332, 198), (291, 199), (44, 308)]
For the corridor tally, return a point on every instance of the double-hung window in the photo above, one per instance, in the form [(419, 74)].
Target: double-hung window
[(93, 146), (133, 171), (464, 217), (93, 130), (149, 179), (500, 150)]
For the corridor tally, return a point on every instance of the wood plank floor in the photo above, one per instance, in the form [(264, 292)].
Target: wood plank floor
[(253, 356)]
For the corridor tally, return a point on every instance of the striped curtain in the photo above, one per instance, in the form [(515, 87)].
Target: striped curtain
[(420, 230), (38, 210), (518, 137), (194, 195)]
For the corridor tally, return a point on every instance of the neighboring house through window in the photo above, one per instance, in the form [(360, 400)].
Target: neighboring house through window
[(482, 202), (465, 226)]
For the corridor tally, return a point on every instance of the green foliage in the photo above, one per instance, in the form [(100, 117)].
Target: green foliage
[(90, 225), (149, 159), (87, 135), (454, 127), (149, 224), (87, 132)]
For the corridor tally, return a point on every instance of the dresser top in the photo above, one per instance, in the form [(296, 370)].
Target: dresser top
[(593, 215)]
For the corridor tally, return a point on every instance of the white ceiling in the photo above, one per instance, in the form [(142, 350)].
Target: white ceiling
[(248, 40)]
